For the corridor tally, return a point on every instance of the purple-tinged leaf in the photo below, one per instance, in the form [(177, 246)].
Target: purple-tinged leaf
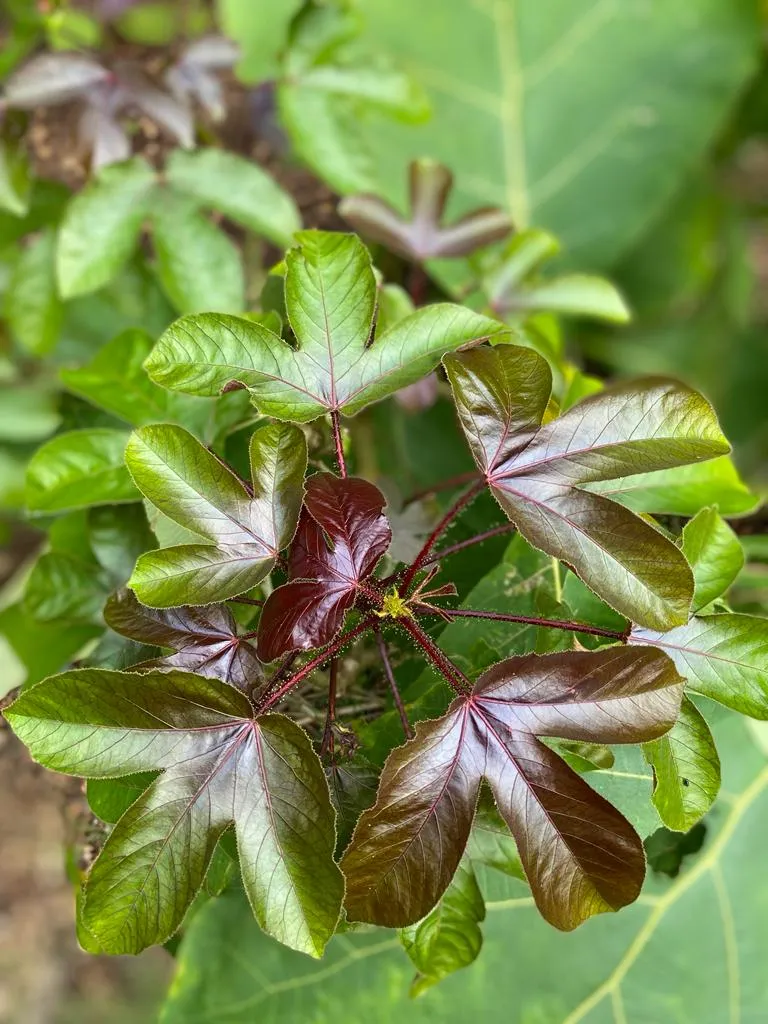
[(102, 136), (165, 110), (203, 640), (220, 766), (581, 857), (52, 78), (540, 474), (342, 534), (424, 236)]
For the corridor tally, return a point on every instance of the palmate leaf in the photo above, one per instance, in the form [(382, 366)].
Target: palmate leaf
[(78, 469), (203, 640), (330, 295), (342, 534), (581, 857), (244, 532), (538, 473), (220, 766)]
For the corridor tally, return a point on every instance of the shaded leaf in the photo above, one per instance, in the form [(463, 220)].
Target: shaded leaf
[(330, 298), (537, 475), (353, 789), (51, 78), (32, 306), (117, 535), (101, 226), (342, 534), (78, 469), (686, 770), (192, 487), (109, 799), (221, 766), (581, 857), (66, 588), (572, 295), (15, 181), (714, 554), (203, 640), (449, 937)]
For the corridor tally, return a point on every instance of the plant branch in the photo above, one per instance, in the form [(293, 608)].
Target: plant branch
[(336, 427), (246, 600), (393, 683), (326, 747), (456, 508), (272, 698), (449, 484), (530, 620), (497, 531), (452, 673)]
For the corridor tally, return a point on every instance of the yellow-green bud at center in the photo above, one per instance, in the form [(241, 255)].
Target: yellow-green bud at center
[(394, 606)]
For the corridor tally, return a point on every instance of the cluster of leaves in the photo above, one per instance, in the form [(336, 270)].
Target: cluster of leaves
[(499, 768)]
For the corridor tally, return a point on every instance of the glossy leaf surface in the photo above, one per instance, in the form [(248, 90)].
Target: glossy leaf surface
[(243, 532), (220, 766), (537, 473), (203, 640), (342, 534), (330, 295), (714, 553), (581, 857)]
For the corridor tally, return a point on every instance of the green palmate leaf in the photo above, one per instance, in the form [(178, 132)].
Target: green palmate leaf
[(66, 588), (198, 266), (117, 536), (261, 34), (449, 937), (538, 473), (490, 841), (573, 295), (32, 305), (503, 70), (78, 469), (683, 491), (109, 799), (221, 766), (243, 533), (722, 657), (671, 956), (101, 227), (686, 770), (115, 380), (714, 553), (15, 182), (330, 295), (238, 188)]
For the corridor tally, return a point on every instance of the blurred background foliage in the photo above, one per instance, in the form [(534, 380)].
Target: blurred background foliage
[(624, 138)]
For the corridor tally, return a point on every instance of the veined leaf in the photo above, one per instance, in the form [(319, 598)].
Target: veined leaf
[(244, 532), (581, 857), (220, 766), (78, 469), (342, 534), (714, 553), (537, 473), (330, 298)]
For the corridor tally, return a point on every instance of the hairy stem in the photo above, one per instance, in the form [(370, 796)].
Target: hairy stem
[(272, 698), (456, 508), (336, 427), (497, 531), (449, 484), (530, 620), (246, 600), (326, 747), (452, 673), (393, 683)]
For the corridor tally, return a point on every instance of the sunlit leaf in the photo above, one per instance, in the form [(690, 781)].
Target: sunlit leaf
[(78, 469), (714, 554)]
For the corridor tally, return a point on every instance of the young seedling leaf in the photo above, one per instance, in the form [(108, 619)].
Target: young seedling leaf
[(581, 857), (243, 532), (220, 766), (538, 473), (342, 534)]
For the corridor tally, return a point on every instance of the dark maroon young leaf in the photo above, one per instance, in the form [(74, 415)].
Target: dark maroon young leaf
[(203, 640), (342, 534), (540, 475), (424, 236), (581, 857)]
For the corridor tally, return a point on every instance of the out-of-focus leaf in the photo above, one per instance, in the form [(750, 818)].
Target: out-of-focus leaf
[(449, 937), (42, 647), (330, 296), (407, 847), (572, 295), (261, 33), (78, 469), (28, 413), (386, 88), (102, 136), (32, 305), (243, 530), (537, 472), (686, 770), (714, 553), (117, 536), (342, 534), (238, 188), (15, 183), (221, 766), (198, 266), (52, 78), (160, 106), (65, 588), (101, 226)]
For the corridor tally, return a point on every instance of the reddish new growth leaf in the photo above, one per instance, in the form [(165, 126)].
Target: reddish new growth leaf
[(203, 640), (579, 853), (342, 534)]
